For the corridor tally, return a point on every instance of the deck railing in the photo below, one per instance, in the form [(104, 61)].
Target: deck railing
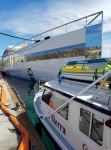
[(50, 31), (37, 85)]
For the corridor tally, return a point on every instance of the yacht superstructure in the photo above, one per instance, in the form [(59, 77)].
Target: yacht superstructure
[(45, 55)]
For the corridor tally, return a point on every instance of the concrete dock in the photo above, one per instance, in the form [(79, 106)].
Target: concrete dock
[(10, 137)]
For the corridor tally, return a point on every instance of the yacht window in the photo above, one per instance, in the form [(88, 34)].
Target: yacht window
[(84, 121), (57, 100), (64, 112), (97, 129), (54, 101), (56, 53), (46, 96), (91, 125)]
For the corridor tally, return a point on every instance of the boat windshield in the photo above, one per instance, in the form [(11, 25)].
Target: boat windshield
[(46, 96), (55, 100)]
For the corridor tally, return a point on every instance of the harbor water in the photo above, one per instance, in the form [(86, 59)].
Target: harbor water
[(26, 91)]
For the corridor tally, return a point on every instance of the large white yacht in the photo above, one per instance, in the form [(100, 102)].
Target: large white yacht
[(48, 51)]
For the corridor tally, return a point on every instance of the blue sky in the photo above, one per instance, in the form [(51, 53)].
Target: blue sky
[(26, 18)]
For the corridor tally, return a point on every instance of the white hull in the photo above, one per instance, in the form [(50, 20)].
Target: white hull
[(46, 56), (48, 123), (80, 76), (66, 132), (47, 69)]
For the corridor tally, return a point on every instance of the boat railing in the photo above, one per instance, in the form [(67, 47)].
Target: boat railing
[(85, 21), (102, 78), (37, 85)]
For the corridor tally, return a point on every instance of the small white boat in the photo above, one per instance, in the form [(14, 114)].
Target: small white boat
[(76, 115), (86, 70)]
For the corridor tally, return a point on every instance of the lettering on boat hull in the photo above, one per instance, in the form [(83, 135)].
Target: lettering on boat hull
[(60, 127)]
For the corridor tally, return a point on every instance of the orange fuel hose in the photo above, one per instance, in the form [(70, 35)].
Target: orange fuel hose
[(24, 145)]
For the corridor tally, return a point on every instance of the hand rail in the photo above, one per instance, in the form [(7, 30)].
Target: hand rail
[(37, 86), (50, 30), (82, 91)]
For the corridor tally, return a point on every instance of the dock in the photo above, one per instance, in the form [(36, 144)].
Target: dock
[(11, 111)]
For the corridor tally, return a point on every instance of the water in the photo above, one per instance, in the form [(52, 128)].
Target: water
[(26, 91)]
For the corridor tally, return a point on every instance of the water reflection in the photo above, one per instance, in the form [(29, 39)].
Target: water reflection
[(30, 87)]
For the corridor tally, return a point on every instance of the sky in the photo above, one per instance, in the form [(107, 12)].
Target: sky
[(27, 18)]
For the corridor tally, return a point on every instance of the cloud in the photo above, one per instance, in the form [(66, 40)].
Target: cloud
[(106, 46), (38, 16), (31, 19)]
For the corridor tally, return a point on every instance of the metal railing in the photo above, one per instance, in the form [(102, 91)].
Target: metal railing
[(66, 25), (37, 85)]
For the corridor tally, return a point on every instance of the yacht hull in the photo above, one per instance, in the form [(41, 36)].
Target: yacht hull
[(47, 69)]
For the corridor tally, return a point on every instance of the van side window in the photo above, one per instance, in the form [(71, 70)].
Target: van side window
[(91, 125)]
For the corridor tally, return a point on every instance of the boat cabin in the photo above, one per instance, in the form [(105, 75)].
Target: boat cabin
[(85, 120)]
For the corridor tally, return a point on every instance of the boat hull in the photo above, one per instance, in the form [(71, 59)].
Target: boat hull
[(86, 70), (54, 144), (58, 139), (47, 69), (65, 128)]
